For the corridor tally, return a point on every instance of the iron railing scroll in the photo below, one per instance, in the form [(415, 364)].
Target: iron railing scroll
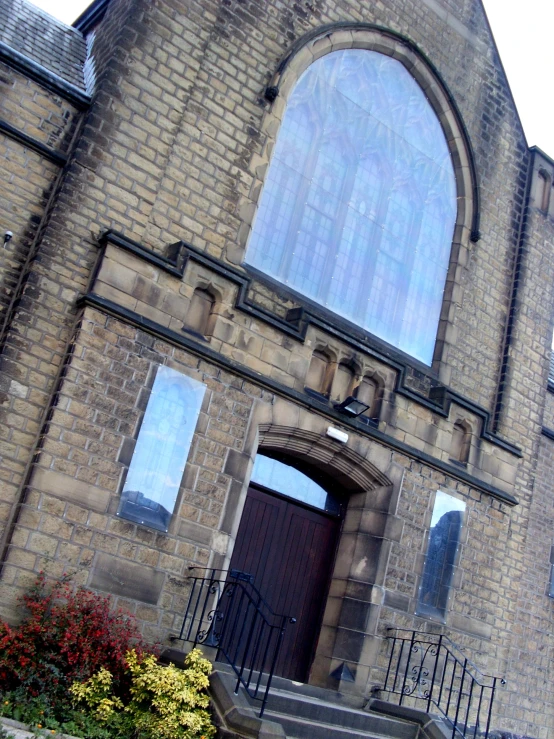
[(431, 668), (226, 611)]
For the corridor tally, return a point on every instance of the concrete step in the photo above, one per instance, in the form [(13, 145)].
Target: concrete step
[(305, 708), (298, 711), (284, 684), (303, 728), (312, 691)]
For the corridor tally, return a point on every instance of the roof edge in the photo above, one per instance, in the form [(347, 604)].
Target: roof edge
[(43, 76), (91, 16), (538, 150)]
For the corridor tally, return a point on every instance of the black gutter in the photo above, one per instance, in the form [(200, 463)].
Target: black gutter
[(91, 16), (31, 143), (44, 77), (519, 264)]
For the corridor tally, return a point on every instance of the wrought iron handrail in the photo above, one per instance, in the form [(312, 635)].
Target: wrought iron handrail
[(431, 668), (226, 611)]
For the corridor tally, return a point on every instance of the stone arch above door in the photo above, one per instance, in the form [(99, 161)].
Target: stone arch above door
[(349, 469), (366, 474)]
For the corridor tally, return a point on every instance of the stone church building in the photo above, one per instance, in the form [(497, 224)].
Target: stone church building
[(277, 287)]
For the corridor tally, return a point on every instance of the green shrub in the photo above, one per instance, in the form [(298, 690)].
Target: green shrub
[(71, 646), (165, 703), (46, 718)]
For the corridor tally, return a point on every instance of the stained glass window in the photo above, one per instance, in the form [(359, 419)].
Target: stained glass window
[(154, 477), (359, 205), (442, 548)]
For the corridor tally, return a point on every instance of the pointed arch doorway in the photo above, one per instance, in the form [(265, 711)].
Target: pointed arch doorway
[(287, 540)]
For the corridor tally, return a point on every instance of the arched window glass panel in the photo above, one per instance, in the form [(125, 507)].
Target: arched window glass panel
[(163, 444), (359, 205), (440, 560), (287, 480)]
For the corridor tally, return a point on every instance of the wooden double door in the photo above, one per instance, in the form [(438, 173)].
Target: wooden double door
[(290, 550)]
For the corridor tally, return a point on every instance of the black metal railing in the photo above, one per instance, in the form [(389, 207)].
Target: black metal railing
[(431, 668), (226, 611)]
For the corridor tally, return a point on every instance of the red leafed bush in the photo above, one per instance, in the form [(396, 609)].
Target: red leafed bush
[(67, 635)]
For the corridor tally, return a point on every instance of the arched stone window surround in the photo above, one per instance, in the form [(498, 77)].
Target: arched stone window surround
[(204, 317), (348, 367), (347, 467), (378, 381), (546, 179), (324, 354), (461, 441), (365, 36)]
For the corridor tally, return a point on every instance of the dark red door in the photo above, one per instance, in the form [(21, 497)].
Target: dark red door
[(289, 549)]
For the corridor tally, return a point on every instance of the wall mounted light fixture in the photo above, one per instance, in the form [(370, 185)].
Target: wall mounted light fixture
[(352, 407)]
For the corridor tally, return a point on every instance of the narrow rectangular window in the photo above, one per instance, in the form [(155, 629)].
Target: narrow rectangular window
[(440, 559), (163, 444)]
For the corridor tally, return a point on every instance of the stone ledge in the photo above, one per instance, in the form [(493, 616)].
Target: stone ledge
[(21, 731), (68, 488), (235, 715), (431, 726), (323, 408)]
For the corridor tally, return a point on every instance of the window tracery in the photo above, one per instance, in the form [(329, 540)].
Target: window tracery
[(359, 203)]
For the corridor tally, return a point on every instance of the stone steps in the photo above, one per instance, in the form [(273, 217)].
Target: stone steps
[(298, 711), (305, 717), (297, 728)]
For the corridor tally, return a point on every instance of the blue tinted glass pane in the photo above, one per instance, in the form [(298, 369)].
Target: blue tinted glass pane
[(359, 206), (162, 448), (442, 548), (287, 480)]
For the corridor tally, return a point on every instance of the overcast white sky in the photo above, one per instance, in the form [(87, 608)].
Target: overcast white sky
[(523, 34)]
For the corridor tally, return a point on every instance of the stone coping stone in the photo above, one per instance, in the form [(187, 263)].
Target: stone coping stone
[(22, 731), (431, 725), (236, 714)]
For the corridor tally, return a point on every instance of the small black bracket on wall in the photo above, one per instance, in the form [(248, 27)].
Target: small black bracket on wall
[(271, 93)]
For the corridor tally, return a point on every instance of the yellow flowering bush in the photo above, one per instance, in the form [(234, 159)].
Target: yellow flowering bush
[(168, 702), (95, 693), (165, 702)]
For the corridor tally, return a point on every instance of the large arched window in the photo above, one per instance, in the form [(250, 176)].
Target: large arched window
[(359, 204)]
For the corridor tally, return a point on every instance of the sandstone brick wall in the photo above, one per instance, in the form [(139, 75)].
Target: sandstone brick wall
[(68, 522), (27, 178), (527, 409), (548, 418), (530, 651), (114, 178), (169, 151)]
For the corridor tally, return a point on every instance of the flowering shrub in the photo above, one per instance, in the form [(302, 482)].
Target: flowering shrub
[(66, 636), (165, 703), (72, 644), (96, 692)]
